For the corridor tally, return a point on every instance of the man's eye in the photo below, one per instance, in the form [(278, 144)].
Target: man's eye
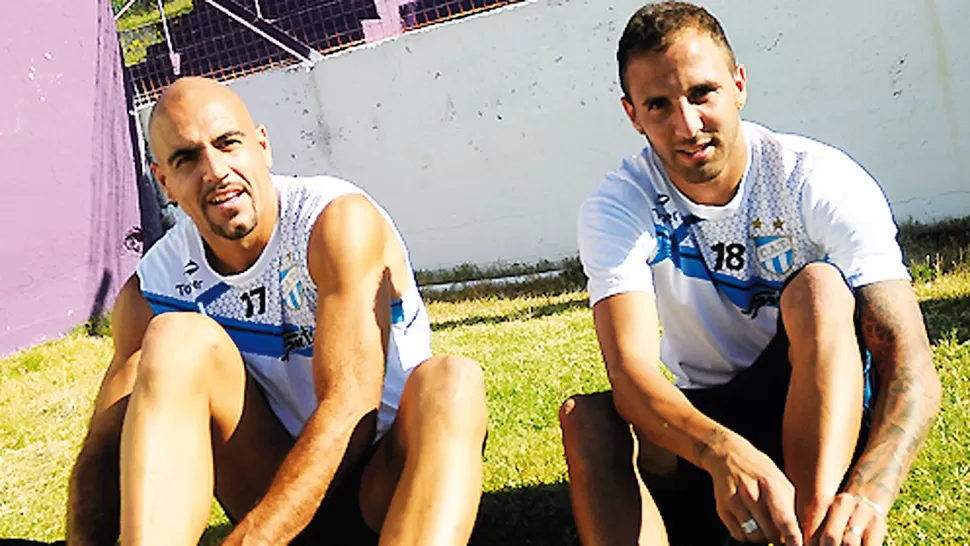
[(701, 94), (656, 104), (187, 159)]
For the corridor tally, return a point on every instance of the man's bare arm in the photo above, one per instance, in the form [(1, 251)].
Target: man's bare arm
[(625, 324), (346, 259), (909, 392), (746, 482), (93, 509)]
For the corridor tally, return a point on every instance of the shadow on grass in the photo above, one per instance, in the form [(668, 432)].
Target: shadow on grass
[(528, 516), (211, 537), (518, 314), (214, 535), (571, 279), (944, 316)]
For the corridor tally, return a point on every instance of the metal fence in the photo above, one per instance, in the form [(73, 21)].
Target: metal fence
[(229, 39)]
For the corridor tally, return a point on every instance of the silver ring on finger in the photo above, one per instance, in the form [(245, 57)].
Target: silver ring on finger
[(749, 526), (856, 530)]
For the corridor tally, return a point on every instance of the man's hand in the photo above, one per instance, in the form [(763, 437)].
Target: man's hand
[(852, 520), (748, 485), (245, 535)]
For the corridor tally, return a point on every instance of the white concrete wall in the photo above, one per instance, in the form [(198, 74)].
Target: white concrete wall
[(482, 136)]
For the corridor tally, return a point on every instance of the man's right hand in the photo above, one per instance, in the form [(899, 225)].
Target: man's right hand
[(748, 485)]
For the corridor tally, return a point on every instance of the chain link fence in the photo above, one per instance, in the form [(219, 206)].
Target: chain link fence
[(229, 39)]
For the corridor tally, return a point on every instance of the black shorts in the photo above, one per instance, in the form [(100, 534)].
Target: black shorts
[(338, 520), (752, 405)]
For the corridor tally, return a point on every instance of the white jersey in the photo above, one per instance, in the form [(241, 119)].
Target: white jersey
[(270, 309), (717, 271)]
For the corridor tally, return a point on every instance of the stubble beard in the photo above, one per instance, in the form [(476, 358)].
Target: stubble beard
[(234, 232), (704, 173)]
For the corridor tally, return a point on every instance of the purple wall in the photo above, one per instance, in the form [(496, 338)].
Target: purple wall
[(69, 195)]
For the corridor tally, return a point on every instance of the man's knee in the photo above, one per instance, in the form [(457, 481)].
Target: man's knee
[(584, 417), (820, 288), (452, 390), (180, 348)]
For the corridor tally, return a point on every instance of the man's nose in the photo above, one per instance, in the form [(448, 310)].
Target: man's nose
[(214, 165), (687, 120)]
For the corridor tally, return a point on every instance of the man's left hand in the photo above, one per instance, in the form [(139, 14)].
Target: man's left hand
[(244, 535), (852, 520)]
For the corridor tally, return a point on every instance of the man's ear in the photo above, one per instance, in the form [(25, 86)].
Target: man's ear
[(162, 181), (262, 138), (631, 113), (741, 84)]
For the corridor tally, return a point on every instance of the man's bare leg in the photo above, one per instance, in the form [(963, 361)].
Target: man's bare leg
[(94, 504), (610, 503), (424, 483), (190, 391), (823, 412)]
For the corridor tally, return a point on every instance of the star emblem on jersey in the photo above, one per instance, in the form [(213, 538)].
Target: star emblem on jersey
[(779, 223), (756, 224), (775, 254)]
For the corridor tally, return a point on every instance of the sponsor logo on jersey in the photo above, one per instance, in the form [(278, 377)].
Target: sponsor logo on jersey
[(191, 267), (775, 253), (186, 288), (292, 287), (296, 338), (762, 298)]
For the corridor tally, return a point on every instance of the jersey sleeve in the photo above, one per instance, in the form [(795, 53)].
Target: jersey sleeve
[(616, 241), (848, 217)]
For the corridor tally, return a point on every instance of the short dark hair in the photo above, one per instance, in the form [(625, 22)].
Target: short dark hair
[(654, 26)]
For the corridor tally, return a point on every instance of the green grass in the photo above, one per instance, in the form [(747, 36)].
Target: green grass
[(535, 350), (141, 27), (144, 12)]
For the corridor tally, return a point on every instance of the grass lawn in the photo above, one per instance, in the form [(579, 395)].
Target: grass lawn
[(536, 350)]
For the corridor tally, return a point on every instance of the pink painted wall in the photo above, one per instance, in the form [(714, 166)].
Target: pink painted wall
[(68, 195), (389, 24)]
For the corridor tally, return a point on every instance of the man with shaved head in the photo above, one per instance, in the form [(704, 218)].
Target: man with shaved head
[(273, 349)]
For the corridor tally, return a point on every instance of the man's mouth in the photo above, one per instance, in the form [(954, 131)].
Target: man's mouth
[(224, 198), (698, 153)]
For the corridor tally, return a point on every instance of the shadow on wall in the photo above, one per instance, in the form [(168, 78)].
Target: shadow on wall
[(115, 231), (98, 318)]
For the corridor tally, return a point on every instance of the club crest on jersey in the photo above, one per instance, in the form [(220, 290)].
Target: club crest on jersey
[(292, 288), (775, 253)]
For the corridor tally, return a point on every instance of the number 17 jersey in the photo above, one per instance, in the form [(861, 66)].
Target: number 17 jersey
[(270, 309), (717, 271)]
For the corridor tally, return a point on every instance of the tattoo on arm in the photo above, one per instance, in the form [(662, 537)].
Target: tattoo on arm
[(908, 398), (713, 439)]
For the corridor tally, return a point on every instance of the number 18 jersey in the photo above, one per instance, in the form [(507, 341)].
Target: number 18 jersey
[(717, 271), (270, 309)]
